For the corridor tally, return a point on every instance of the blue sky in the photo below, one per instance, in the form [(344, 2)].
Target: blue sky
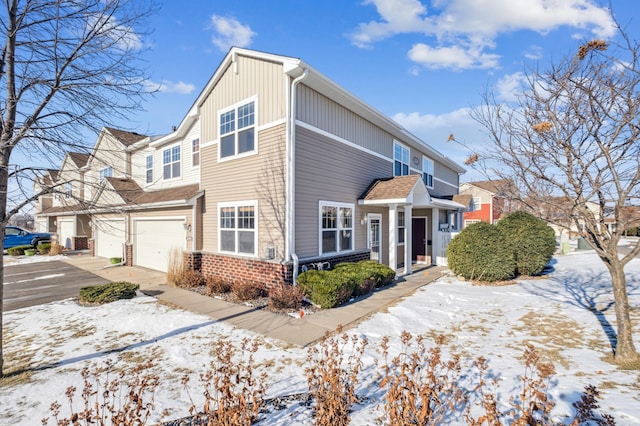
[(423, 63)]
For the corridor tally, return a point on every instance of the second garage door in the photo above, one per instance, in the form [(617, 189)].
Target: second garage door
[(109, 237), (154, 239)]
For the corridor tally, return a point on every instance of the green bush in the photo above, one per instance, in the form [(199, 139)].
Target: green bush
[(362, 280), (18, 250), (532, 241), (382, 273), (481, 252), (107, 293), (326, 289), (43, 248)]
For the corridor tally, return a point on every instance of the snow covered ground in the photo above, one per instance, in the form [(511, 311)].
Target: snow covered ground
[(566, 316)]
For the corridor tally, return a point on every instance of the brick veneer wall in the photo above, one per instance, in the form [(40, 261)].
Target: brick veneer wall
[(129, 249), (270, 273), (92, 247), (79, 243)]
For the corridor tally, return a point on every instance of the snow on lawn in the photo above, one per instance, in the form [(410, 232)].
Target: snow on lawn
[(568, 316)]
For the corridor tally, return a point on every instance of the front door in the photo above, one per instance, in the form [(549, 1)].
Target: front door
[(374, 225), (419, 240)]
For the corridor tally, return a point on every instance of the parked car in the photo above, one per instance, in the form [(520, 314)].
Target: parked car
[(16, 236)]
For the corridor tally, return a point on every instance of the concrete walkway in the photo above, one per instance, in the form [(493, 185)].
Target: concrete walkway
[(296, 331)]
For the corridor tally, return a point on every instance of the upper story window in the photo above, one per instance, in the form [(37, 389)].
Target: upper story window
[(149, 168), (195, 152), (68, 190), (238, 228), (400, 159), (427, 171), (171, 162), (106, 172), (336, 227), (477, 203), (237, 130)]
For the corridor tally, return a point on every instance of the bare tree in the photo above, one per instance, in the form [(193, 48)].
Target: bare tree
[(571, 145), (66, 66)]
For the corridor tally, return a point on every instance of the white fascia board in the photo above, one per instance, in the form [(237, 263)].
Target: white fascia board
[(181, 131), (384, 202)]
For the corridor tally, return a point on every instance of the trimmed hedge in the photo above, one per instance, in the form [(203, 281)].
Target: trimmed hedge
[(107, 293), (18, 250), (43, 248), (329, 289), (532, 241), (481, 252)]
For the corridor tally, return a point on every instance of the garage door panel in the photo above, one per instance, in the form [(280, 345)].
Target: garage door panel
[(154, 240), (109, 237)]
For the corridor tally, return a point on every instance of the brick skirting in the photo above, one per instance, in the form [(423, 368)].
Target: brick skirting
[(92, 247), (79, 243), (232, 268)]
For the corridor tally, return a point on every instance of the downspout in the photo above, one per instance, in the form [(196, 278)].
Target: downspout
[(290, 240)]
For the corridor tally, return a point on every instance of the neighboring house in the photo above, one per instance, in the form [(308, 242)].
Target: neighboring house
[(488, 200), (292, 170)]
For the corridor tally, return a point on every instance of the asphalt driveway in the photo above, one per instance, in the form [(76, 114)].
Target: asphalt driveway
[(43, 282)]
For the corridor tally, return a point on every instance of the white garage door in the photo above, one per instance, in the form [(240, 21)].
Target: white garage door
[(109, 237), (65, 232), (154, 239)]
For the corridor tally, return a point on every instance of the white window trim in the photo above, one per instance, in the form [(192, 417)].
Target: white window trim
[(235, 106), (322, 204), (478, 204), (101, 174), (426, 159), (236, 204), (199, 153), (146, 168), (403, 146), (170, 147)]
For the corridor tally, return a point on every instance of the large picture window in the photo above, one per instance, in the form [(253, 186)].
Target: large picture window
[(238, 228), (336, 227), (237, 130), (400, 159), (427, 171), (171, 162)]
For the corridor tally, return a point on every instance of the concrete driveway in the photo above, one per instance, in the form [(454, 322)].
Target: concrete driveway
[(37, 283)]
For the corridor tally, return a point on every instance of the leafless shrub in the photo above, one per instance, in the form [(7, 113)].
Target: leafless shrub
[(247, 290), (191, 279), (233, 393), (420, 387), (127, 399), (176, 266), (217, 285), (586, 406), (55, 249), (285, 296)]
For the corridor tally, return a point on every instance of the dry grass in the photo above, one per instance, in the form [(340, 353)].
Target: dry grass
[(176, 266)]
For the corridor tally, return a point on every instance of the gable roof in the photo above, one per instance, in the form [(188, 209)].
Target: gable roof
[(124, 137), (79, 158), (493, 186), (132, 194), (464, 199), (397, 188)]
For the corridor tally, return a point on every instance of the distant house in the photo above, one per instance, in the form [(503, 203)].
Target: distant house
[(274, 168), (488, 200)]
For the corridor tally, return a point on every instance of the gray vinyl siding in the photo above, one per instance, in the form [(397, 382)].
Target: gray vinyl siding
[(259, 78), (328, 170), (319, 111), (256, 177)]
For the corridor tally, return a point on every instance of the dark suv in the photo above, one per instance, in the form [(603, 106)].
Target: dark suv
[(15, 236)]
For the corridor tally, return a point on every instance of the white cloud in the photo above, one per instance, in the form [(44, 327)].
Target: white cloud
[(465, 29), (533, 53), (510, 86), (229, 32), (180, 87)]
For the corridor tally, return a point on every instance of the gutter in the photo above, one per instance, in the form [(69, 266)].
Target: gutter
[(290, 166)]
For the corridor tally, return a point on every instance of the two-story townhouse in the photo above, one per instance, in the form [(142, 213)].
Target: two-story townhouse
[(297, 171), (43, 185), (489, 200)]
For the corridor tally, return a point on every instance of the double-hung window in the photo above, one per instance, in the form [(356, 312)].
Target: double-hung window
[(237, 130), (336, 227), (68, 190), (427, 171), (171, 162), (400, 159), (401, 226), (149, 168), (195, 152), (477, 204), (238, 232), (105, 173)]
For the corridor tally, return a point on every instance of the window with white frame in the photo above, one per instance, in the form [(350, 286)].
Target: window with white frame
[(171, 162), (401, 225), (336, 227), (149, 168), (68, 190), (400, 159), (427, 171), (238, 228), (195, 152), (237, 130), (105, 173), (477, 203)]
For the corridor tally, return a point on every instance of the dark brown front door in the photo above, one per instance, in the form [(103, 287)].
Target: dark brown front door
[(419, 239)]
